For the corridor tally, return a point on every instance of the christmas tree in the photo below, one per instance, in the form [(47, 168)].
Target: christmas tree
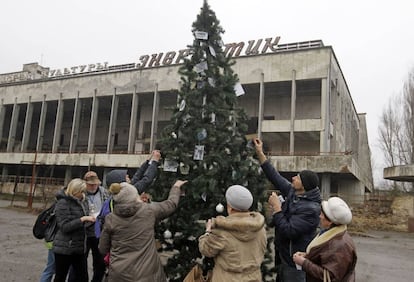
[(204, 143)]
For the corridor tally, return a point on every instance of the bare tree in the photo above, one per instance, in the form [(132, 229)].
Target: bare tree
[(409, 114), (396, 129)]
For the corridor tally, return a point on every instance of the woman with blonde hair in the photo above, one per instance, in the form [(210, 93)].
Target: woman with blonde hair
[(72, 219)]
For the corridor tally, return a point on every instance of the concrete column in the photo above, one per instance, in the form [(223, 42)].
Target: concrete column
[(74, 135), (154, 123), (2, 117), (13, 126), (261, 107), (325, 117), (4, 173), (292, 114), (112, 123), (27, 125), (94, 120), (42, 121), (58, 124), (325, 186), (68, 175), (133, 122)]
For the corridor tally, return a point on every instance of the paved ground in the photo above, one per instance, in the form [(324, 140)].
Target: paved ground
[(382, 256)]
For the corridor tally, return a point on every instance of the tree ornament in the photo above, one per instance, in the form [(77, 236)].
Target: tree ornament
[(220, 208), (198, 153), (184, 169), (167, 234), (201, 134), (202, 35), (182, 105)]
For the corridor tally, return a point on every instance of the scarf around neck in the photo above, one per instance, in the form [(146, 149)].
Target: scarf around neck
[(325, 237)]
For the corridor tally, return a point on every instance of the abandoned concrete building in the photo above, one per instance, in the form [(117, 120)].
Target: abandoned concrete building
[(57, 124)]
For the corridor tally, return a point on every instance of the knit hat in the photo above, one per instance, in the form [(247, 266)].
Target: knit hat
[(91, 178), (116, 176), (337, 211), (309, 179), (239, 197), (123, 193)]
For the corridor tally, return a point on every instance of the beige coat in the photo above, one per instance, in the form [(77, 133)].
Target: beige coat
[(128, 234), (238, 244)]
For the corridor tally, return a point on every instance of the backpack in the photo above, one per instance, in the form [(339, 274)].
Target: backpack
[(45, 226)]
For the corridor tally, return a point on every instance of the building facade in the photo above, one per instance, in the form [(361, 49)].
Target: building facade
[(57, 124)]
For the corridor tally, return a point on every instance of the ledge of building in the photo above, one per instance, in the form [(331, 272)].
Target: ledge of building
[(399, 173), (75, 159)]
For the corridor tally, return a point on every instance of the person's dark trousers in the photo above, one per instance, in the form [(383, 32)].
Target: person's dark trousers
[(78, 264), (97, 261), (290, 274)]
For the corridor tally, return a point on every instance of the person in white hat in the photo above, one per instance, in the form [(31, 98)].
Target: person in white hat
[(236, 242), (331, 256)]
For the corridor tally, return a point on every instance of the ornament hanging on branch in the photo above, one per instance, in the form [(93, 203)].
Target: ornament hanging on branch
[(199, 153), (201, 35), (170, 165), (219, 208), (201, 134), (167, 234)]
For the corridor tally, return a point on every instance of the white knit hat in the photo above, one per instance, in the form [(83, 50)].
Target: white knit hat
[(337, 211), (239, 197)]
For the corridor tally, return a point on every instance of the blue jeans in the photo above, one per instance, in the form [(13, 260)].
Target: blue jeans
[(49, 270)]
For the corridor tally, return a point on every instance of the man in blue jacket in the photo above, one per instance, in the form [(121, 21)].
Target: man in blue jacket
[(296, 220)]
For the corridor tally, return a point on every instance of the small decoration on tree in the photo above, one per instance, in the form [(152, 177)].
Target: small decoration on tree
[(182, 105), (170, 165), (167, 234), (201, 134), (220, 208), (202, 35), (199, 153), (184, 169), (238, 88), (212, 51)]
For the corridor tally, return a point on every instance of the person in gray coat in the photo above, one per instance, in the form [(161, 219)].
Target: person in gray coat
[(69, 245), (128, 234)]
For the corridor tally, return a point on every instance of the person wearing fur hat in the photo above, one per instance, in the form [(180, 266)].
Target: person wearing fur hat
[(296, 220), (236, 242), (128, 234), (332, 253)]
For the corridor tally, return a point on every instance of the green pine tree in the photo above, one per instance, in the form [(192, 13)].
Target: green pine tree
[(206, 117)]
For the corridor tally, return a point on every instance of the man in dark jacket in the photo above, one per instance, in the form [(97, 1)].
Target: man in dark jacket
[(296, 220)]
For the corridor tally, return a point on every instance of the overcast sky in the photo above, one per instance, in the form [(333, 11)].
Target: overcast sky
[(372, 39)]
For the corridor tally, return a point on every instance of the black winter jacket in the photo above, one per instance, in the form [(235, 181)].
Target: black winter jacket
[(71, 235), (295, 226)]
